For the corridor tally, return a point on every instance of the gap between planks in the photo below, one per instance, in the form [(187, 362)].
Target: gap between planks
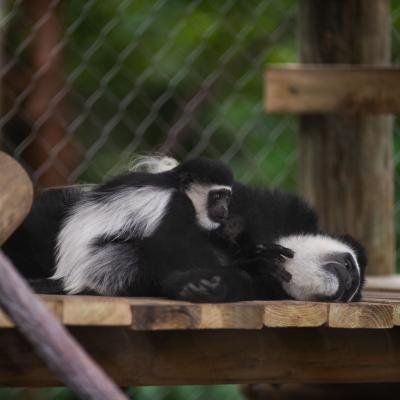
[(377, 311)]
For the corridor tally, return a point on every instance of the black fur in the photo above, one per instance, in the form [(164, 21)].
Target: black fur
[(258, 218), (177, 261), (240, 261)]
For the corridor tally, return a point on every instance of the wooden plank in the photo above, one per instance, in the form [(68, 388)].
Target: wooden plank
[(16, 195), (392, 298), (295, 314), (346, 161), (96, 311), (131, 358), (348, 89), (153, 314), (361, 315), (378, 294), (54, 305), (197, 316), (387, 283)]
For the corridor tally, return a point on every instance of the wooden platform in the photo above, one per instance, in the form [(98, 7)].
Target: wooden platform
[(163, 342), (378, 310)]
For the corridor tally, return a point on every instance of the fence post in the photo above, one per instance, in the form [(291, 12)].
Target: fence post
[(346, 161)]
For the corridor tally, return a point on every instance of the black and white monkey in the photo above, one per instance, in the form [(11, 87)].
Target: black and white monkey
[(282, 230), (324, 267), (139, 234), (118, 239)]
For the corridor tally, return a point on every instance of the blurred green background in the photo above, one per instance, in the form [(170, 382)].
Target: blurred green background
[(179, 76)]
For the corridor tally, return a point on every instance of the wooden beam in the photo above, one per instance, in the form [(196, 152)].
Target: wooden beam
[(378, 310), (346, 162), (281, 314), (333, 89), (359, 315), (281, 355), (16, 195)]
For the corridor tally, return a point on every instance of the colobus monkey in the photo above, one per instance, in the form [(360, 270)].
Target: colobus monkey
[(283, 229), (112, 242), (139, 234), (323, 267)]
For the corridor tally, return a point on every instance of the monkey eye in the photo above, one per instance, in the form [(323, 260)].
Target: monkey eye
[(218, 196)]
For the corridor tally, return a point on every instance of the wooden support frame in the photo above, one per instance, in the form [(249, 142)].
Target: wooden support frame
[(146, 341), (345, 89), (289, 355), (346, 161)]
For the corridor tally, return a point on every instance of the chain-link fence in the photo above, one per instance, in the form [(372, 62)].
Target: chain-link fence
[(88, 84)]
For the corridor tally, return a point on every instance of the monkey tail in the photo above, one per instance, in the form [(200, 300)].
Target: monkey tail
[(154, 164)]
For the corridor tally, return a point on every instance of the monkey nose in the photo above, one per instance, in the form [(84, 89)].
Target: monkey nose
[(220, 214)]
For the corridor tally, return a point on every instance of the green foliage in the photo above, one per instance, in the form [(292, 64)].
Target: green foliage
[(196, 392), (134, 65)]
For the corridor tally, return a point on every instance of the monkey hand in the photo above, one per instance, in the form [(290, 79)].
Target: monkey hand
[(273, 252), (277, 272), (204, 290)]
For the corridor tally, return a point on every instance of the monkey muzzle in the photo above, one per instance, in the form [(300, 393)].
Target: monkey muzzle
[(343, 267), (219, 213)]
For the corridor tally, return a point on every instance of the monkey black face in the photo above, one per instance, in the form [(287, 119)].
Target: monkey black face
[(324, 268), (218, 204), (211, 204), (208, 184)]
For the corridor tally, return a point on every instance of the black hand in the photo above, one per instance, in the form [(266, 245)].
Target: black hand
[(273, 251), (203, 290)]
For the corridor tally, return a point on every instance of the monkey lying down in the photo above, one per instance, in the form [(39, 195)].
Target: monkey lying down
[(185, 232)]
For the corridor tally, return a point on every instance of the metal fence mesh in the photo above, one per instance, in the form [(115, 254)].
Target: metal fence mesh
[(87, 84), (139, 76)]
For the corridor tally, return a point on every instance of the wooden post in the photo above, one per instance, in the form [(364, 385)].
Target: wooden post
[(346, 161), (16, 194)]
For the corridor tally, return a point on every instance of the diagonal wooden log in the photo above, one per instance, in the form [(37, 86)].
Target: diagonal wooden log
[(62, 354)]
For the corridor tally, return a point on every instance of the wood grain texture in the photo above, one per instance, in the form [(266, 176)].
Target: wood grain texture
[(153, 314), (131, 358), (96, 311), (197, 316), (16, 194), (333, 89), (346, 162), (291, 314), (361, 315)]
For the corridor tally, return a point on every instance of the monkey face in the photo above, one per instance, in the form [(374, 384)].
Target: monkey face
[(324, 268), (211, 203), (218, 204)]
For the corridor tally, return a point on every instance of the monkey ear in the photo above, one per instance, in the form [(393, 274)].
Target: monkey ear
[(185, 180)]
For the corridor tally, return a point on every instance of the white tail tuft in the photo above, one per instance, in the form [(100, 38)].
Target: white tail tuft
[(154, 164)]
